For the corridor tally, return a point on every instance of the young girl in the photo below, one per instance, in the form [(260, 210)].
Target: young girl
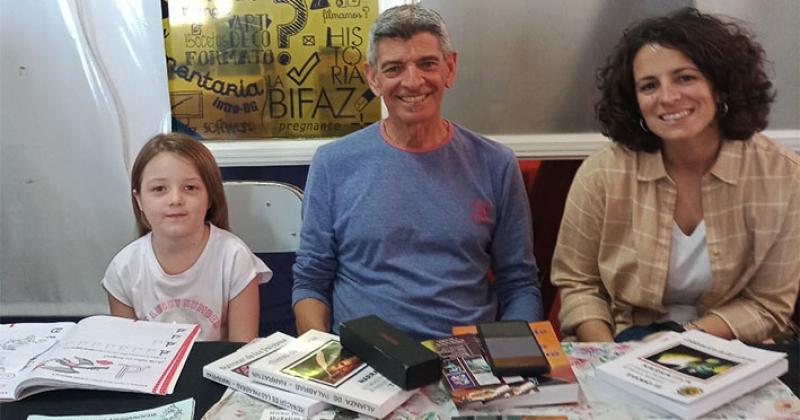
[(186, 267)]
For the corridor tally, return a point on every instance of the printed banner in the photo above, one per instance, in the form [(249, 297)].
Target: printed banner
[(261, 69)]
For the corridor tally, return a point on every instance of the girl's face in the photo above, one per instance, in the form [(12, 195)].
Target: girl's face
[(675, 98), (172, 197)]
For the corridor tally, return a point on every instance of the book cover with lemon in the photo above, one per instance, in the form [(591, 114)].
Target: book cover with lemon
[(317, 366)]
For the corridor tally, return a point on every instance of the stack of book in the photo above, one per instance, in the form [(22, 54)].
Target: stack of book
[(692, 373), (468, 378), (313, 372), (307, 374), (233, 371)]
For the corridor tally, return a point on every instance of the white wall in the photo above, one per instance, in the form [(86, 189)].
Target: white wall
[(526, 73)]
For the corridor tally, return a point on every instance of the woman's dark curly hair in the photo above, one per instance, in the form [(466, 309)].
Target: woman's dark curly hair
[(724, 52)]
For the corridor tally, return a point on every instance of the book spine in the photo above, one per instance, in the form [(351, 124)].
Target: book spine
[(259, 392), (318, 393)]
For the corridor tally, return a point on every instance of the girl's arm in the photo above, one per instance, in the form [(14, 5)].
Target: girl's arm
[(120, 309), (243, 313)]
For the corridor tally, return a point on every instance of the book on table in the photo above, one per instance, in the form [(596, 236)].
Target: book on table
[(233, 369), (468, 378), (692, 373), (98, 352), (316, 365)]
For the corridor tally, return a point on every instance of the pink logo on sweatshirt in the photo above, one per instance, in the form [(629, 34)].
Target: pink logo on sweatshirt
[(482, 212)]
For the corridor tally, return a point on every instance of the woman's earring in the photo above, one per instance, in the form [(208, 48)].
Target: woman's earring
[(644, 127), (724, 109)]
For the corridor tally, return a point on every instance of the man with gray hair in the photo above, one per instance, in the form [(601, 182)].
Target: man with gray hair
[(411, 217)]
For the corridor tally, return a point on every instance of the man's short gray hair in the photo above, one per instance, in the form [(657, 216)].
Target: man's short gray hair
[(404, 22)]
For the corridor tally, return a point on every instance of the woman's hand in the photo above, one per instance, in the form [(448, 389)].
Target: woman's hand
[(594, 331), (711, 324)]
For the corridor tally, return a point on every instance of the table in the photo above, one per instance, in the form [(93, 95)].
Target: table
[(597, 402), (78, 402)]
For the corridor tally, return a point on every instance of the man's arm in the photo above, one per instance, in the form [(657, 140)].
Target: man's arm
[(311, 314), (513, 262), (315, 264)]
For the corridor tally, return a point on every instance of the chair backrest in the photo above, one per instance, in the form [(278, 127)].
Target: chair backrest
[(265, 214)]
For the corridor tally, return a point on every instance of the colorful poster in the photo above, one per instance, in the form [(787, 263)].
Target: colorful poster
[(261, 69)]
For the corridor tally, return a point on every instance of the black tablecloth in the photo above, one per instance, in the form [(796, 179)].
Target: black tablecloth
[(192, 384), (792, 350), (84, 402)]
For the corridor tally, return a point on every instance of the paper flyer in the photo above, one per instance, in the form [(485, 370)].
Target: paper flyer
[(181, 410)]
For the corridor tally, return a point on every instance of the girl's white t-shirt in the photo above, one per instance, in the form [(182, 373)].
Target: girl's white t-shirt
[(199, 295)]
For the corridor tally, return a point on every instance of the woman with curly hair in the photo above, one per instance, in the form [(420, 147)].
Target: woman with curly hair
[(690, 217)]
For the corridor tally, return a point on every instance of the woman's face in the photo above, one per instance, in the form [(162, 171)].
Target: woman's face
[(675, 98)]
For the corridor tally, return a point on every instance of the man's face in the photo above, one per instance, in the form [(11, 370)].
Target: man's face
[(411, 76)]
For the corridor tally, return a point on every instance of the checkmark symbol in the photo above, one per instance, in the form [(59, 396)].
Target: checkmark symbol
[(300, 76), (181, 102)]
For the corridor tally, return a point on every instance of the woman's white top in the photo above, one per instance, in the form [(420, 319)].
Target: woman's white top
[(689, 273)]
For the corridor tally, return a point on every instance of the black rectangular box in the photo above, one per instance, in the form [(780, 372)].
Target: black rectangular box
[(391, 352)]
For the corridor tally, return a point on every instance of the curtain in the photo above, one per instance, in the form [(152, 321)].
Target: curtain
[(82, 86)]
